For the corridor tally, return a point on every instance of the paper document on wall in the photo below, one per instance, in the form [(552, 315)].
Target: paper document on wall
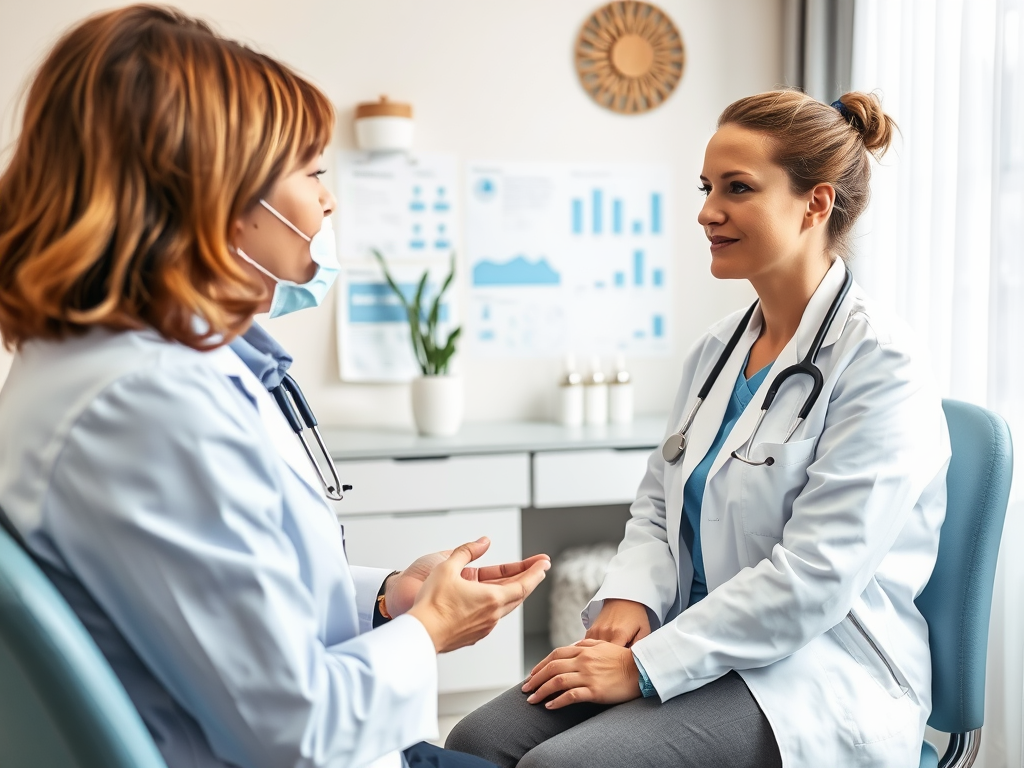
[(568, 258), (405, 208), (374, 342)]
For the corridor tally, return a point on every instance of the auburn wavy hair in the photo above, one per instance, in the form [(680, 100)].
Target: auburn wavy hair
[(145, 135)]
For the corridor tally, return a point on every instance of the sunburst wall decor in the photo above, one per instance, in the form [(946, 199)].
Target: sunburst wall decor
[(629, 56)]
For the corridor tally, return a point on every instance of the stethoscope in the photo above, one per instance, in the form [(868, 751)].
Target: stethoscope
[(290, 399), (675, 444)]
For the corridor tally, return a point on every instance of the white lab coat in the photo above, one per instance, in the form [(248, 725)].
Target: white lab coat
[(167, 482), (813, 563)]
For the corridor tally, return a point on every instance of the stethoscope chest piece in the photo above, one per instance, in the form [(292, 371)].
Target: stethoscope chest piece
[(673, 447), (675, 443)]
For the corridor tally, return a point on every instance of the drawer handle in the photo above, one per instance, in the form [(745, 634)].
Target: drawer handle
[(421, 458)]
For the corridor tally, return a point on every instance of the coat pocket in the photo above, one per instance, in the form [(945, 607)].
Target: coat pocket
[(852, 635), (768, 489)]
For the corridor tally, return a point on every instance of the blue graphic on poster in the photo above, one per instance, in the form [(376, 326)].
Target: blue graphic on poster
[(568, 258)]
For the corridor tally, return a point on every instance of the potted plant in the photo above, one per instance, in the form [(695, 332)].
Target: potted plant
[(437, 395)]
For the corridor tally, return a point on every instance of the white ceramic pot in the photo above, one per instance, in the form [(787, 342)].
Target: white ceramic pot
[(437, 403)]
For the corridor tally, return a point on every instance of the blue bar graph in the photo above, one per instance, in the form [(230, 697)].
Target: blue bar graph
[(658, 327), (577, 217), (655, 214), (638, 268), (658, 278), (597, 212), (617, 217), (638, 227), (620, 279)]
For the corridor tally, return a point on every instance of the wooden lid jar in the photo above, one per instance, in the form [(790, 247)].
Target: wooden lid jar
[(384, 126)]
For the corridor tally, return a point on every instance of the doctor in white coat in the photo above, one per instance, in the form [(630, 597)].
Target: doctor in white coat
[(760, 609), (164, 189)]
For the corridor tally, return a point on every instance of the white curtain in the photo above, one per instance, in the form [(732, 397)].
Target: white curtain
[(942, 245)]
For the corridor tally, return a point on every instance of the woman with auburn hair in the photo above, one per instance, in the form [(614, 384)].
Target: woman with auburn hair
[(760, 609), (165, 188)]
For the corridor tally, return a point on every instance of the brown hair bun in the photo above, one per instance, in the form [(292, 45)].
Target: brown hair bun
[(864, 113), (814, 144)]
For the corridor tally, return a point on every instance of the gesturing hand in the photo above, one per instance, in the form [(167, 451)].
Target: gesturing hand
[(458, 605), (403, 587), (622, 622), (590, 670)]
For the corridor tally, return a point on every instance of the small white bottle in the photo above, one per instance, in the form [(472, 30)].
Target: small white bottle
[(570, 396), (620, 395), (595, 395)]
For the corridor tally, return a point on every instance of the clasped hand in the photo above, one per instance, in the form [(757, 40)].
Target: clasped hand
[(599, 668)]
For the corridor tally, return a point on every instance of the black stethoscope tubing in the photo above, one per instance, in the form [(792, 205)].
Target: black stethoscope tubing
[(300, 416), (675, 444)]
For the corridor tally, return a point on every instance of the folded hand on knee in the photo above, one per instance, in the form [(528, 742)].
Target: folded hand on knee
[(591, 670), (622, 622)]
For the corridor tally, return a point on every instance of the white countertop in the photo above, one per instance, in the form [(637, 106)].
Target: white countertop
[(483, 438)]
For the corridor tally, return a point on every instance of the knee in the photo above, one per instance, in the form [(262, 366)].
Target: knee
[(467, 736), (548, 755)]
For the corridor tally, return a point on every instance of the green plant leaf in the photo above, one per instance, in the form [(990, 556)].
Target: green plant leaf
[(431, 357), (417, 341), (391, 281), (415, 324), (435, 309), (444, 355)]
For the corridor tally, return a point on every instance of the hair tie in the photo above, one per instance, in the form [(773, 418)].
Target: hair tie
[(838, 104)]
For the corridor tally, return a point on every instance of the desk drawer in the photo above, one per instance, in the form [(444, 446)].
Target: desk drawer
[(581, 478), (426, 485)]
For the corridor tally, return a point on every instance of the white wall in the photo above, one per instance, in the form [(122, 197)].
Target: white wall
[(488, 80)]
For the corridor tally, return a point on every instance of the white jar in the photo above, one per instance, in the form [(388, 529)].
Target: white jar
[(620, 399), (570, 400), (384, 126), (595, 396)]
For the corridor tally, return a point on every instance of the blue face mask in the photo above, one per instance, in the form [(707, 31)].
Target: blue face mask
[(289, 296)]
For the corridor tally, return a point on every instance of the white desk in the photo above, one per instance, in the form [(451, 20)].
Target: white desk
[(412, 495)]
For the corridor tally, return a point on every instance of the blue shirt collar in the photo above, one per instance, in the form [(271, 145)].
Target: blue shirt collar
[(262, 355)]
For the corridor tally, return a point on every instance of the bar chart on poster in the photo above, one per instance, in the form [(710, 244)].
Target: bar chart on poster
[(568, 258)]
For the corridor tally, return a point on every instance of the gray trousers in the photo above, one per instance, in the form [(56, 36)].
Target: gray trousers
[(717, 726)]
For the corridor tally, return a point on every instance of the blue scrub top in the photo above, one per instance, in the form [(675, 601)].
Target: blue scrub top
[(693, 491)]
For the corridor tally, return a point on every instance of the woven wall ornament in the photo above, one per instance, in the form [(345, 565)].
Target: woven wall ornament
[(629, 56)]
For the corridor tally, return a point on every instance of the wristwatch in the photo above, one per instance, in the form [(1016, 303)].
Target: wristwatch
[(380, 608)]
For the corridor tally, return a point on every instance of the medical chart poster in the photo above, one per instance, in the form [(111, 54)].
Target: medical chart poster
[(374, 343), (568, 259), (406, 208)]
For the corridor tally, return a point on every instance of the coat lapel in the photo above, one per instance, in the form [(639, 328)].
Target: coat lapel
[(792, 353), (284, 440), (708, 419)]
